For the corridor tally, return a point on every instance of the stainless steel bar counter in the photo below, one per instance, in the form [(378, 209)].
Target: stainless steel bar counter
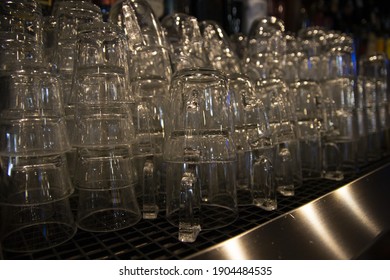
[(352, 222)]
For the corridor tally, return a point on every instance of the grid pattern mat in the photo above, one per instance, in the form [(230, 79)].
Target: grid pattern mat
[(157, 239)]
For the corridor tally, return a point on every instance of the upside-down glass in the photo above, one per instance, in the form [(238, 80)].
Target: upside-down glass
[(339, 87), (373, 97), (32, 115), (266, 48), (316, 152), (200, 154), (24, 17), (254, 145), (218, 48), (30, 89), (150, 76), (313, 45), (293, 58), (104, 173), (106, 188), (283, 124), (252, 137), (67, 17), (16, 48), (264, 64), (107, 126), (31, 227), (148, 48), (186, 42), (151, 96), (137, 19), (147, 151), (331, 62)]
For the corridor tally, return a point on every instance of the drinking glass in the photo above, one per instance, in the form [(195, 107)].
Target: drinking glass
[(98, 126), (150, 64), (372, 85), (265, 65), (339, 86), (36, 226), (67, 17), (101, 44), (185, 39), (147, 151), (34, 136), (16, 49), (24, 17), (293, 59), (252, 136), (314, 46), (218, 48), (254, 144), (149, 80), (106, 189), (104, 173), (137, 19), (330, 60), (149, 56), (32, 115), (101, 70), (283, 124), (30, 90), (35, 179), (316, 151), (199, 153), (266, 48), (151, 99)]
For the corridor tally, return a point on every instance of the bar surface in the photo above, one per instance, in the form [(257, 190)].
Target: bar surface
[(351, 222)]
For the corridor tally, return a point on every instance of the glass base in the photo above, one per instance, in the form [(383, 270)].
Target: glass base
[(188, 232), (266, 204)]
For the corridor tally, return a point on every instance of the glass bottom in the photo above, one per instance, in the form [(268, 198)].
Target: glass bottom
[(38, 237), (288, 190), (211, 216), (266, 204), (244, 196), (107, 220)]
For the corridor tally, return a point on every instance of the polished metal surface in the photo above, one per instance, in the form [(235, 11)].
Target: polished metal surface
[(348, 223)]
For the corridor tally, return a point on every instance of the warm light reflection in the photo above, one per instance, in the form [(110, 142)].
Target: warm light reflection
[(234, 250), (346, 196), (320, 227)]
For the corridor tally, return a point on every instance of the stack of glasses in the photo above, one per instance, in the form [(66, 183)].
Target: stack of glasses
[(252, 135), (35, 183), (264, 64), (373, 99), (60, 42), (34, 178), (104, 133), (339, 86), (149, 79), (319, 155)]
